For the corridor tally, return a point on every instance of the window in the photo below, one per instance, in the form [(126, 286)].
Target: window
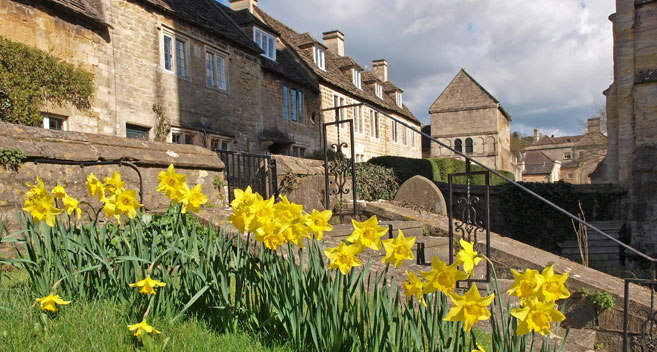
[(217, 143), (318, 55), (298, 151), (136, 131), (403, 129), (570, 174), (567, 155), (266, 42), (468, 146), (399, 99), (379, 90), (183, 137), (175, 56), (355, 77), (338, 101), (54, 123), (394, 131), (293, 105), (376, 124), (458, 145), (358, 119), (215, 71), (412, 139)]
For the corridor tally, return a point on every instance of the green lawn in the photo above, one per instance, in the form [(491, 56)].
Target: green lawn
[(100, 326)]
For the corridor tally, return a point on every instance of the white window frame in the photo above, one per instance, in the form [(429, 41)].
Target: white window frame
[(173, 50), (266, 42), (218, 77), (355, 77), (220, 140), (394, 132), (403, 131), (186, 133), (379, 90), (319, 57), (399, 99), (412, 139), (46, 122), (293, 105), (358, 119)]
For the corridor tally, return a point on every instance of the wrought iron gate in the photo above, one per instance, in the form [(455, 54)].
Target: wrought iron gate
[(246, 169), (337, 167)]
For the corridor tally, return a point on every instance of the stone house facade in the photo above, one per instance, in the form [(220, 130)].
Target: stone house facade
[(469, 119), (211, 80), (225, 78), (631, 158), (578, 155)]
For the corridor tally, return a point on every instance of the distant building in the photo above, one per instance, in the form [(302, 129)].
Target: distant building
[(469, 119), (569, 158)]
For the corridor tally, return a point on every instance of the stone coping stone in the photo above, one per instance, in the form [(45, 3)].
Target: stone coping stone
[(298, 166), (36, 143)]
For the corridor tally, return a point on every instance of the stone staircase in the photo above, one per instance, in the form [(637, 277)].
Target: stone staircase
[(602, 251)]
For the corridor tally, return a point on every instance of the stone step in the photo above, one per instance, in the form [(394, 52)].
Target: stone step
[(591, 243), (592, 250)]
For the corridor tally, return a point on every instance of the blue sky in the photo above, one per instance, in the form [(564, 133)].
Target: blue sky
[(547, 61)]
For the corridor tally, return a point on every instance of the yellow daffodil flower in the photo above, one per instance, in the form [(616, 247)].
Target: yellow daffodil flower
[(398, 249), (95, 187), (243, 198), (42, 208), (58, 191), (50, 302), (148, 285), (114, 184), (171, 183), (526, 284), (414, 287), (36, 191), (469, 308), (71, 204), (295, 232), (286, 210), (143, 326), (535, 315), (192, 199), (367, 233), (480, 348), (263, 212), (468, 257), (343, 257), (241, 220), (317, 223), (270, 235), (554, 287), (442, 277), (126, 203)]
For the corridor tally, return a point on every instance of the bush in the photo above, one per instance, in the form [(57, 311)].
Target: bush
[(375, 182), (405, 168), (30, 78)]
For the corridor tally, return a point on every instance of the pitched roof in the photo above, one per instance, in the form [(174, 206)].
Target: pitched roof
[(244, 18), (347, 62), (332, 75), (89, 9), (369, 76), (545, 140), (469, 94), (537, 163), (209, 15)]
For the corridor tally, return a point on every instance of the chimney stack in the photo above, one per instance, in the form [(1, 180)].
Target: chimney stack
[(536, 135), (380, 68), (334, 41), (593, 125), (237, 5)]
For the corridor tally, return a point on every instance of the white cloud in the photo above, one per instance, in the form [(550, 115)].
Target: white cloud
[(549, 57)]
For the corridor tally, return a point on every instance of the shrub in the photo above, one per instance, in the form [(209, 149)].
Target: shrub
[(30, 78), (405, 168), (375, 182)]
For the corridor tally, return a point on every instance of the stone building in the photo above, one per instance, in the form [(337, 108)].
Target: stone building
[(222, 77), (469, 119), (578, 156), (342, 81), (632, 118)]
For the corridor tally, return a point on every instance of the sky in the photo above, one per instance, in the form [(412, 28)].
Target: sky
[(547, 62)]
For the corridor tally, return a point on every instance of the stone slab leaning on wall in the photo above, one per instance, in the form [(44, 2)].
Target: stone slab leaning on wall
[(201, 166)]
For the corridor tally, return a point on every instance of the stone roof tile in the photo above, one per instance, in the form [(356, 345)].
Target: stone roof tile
[(87, 8)]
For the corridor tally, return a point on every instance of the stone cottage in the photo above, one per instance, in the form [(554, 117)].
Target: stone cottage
[(469, 119)]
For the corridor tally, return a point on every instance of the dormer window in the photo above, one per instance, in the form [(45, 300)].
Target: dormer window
[(355, 77), (399, 99), (319, 58), (266, 42), (379, 90)]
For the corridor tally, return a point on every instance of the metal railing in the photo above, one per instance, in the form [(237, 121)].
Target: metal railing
[(243, 169), (652, 282)]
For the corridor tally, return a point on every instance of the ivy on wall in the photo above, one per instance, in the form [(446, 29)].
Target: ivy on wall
[(30, 78), (374, 182)]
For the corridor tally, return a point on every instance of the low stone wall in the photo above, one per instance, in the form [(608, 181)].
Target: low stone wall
[(44, 148)]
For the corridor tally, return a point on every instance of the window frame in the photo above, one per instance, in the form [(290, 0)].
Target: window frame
[(458, 145), (378, 89), (47, 119), (319, 57), (400, 100), (135, 127), (395, 132), (220, 141), (185, 133), (174, 54), (267, 44), (219, 77), (355, 78), (567, 155), (293, 105), (469, 146)]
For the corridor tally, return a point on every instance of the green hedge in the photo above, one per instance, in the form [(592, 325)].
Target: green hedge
[(29, 78), (374, 182), (435, 169)]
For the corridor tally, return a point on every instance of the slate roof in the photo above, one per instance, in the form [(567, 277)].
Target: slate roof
[(244, 18), (546, 140), (89, 9), (347, 62), (537, 163), (333, 76), (209, 15)]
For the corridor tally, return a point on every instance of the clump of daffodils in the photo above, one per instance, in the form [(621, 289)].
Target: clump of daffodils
[(41, 204), (115, 198), (175, 187)]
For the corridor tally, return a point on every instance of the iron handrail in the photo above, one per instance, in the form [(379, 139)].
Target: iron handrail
[(652, 260)]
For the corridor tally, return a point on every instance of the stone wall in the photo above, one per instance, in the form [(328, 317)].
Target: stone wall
[(201, 166)]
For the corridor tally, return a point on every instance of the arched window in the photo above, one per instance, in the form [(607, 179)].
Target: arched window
[(468, 146), (458, 145)]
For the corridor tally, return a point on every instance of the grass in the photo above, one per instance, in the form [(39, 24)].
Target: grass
[(101, 326)]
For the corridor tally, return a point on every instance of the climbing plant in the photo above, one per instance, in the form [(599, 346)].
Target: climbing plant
[(31, 77), (162, 126)]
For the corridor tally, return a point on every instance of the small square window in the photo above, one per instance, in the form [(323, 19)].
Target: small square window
[(54, 123), (136, 132), (567, 155), (183, 137)]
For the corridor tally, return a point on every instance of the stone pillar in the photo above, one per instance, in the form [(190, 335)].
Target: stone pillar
[(334, 41)]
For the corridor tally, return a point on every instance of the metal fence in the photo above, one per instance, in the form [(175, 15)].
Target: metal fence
[(247, 169)]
